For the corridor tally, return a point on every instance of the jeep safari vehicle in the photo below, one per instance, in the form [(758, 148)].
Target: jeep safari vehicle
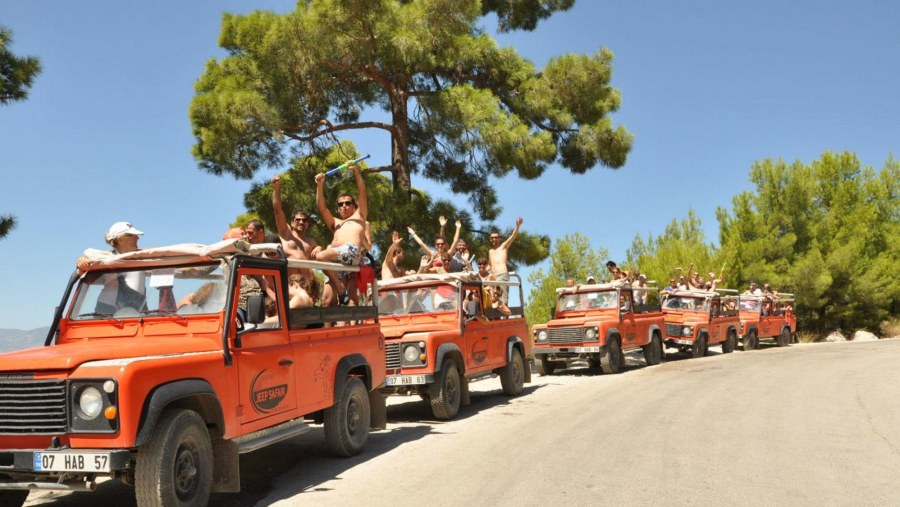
[(161, 367), (441, 332), (596, 323), (765, 317), (696, 319)]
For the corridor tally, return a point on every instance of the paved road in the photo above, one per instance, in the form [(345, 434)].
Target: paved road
[(807, 425)]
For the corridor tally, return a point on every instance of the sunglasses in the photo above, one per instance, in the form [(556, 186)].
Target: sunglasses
[(439, 244), (301, 220), (495, 237), (345, 203)]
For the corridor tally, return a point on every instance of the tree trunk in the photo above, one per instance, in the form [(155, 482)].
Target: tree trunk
[(400, 143)]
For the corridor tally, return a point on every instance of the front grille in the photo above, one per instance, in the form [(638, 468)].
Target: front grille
[(392, 355), (565, 335), (673, 329), (32, 407)]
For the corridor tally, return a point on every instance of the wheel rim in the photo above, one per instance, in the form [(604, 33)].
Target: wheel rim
[(354, 416), (452, 389), (516, 367), (186, 470)]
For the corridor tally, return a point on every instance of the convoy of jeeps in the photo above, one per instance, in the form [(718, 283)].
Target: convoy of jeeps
[(162, 367)]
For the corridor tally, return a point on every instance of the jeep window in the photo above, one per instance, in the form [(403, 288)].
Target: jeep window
[(433, 299), (586, 301), (682, 303), (150, 292), (750, 305)]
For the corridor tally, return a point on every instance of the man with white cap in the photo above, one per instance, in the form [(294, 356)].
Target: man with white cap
[(591, 280), (124, 290), (640, 292)]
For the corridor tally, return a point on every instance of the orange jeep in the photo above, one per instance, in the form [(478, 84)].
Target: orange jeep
[(765, 317), (696, 319), (443, 330), (597, 323), (162, 366)]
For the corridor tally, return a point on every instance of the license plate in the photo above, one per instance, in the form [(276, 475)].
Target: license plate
[(71, 462), (404, 380)]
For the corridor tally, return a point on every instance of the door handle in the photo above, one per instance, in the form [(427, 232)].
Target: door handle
[(484, 337), (285, 362)]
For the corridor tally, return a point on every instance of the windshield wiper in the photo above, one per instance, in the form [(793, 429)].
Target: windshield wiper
[(147, 313), (103, 316)]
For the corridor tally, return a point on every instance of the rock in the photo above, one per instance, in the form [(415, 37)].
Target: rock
[(836, 336), (864, 336)]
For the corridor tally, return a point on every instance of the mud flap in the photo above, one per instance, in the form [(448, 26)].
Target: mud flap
[(378, 410), (226, 467)]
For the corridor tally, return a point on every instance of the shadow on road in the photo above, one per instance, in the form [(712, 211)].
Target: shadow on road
[(296, 465), (415, 409)]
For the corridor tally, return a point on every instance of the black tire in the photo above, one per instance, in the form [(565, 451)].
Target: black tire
[(750, 341), (700, 347), (13, 497), (347, 421), (730, 343), (653, 351), (512, 376), (593, 362), (784, 339), (611, 362), (174, 468), (546, 366), (444, 393)]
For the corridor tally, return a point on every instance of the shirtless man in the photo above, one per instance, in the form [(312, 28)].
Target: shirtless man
[(390, 268), (349, 230), (293, 238), (499, 253)]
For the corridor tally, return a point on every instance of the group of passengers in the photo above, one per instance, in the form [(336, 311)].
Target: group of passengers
[(350, 245)]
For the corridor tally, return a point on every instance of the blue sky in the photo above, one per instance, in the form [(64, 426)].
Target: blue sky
[(708, 87)]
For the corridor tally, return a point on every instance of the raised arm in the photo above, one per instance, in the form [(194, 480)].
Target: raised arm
[(512, 237), (443, 221), (388, 266), (421, 243), (284, 229), (362, 200), (327, 217), (455, 235)]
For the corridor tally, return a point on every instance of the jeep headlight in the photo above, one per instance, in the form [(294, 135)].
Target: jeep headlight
[(687, 331), (590, 333), (93, 405), (414, 354), (90, 401), (542, 335)]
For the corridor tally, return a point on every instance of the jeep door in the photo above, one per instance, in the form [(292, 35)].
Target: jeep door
[(265, 358), (479, 337)]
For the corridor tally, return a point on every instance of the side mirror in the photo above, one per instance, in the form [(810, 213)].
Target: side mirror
[(471, 309), (256, 309), (626, 306)]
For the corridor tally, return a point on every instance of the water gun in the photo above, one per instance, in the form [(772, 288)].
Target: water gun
[(345, 165)]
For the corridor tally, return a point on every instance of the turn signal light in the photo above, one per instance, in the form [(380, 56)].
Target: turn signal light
[(110, 413)]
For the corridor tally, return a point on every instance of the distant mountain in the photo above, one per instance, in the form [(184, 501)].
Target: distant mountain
[(16, 339)]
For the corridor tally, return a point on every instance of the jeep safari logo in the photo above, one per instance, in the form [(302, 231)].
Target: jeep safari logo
[(266, 397)]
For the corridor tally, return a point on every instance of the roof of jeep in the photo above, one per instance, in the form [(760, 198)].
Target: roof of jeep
[(450, 278), (196, 253)]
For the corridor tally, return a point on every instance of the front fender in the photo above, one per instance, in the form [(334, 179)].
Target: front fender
[(200, 393), (346, 365)]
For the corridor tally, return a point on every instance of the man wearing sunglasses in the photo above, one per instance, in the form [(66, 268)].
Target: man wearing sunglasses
[(293, 237), (347, 246)]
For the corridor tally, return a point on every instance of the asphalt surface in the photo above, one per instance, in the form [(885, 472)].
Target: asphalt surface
[(804, 425)]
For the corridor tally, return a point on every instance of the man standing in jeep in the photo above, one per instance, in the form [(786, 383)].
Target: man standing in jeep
[(349, 230), (499, 254)]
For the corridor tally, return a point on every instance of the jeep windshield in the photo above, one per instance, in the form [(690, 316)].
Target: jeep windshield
[(587, 301), (126, 293), (750, 305), (408, 301), (691, 304)]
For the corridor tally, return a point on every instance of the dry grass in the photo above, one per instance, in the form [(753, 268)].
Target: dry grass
[(890, 328), (808, 337)]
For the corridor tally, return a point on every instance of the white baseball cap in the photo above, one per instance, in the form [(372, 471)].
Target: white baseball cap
[(120, 229)]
